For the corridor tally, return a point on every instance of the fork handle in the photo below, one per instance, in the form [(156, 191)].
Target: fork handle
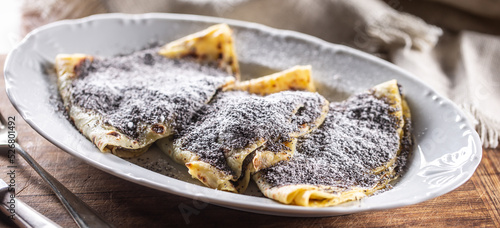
[(26, 216), (83, 215)]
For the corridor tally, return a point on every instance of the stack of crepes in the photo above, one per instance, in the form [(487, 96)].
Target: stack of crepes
[(187, 97)]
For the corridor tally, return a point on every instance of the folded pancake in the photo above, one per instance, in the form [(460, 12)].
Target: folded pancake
[(213, 45), (360, 148), (218, 146), (295, 78), (125, 103)]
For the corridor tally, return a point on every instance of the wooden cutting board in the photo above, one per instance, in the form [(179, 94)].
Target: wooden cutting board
[(125, 204)]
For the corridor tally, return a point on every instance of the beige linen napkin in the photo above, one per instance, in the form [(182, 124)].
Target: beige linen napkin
[(463, 65), (466, 68)]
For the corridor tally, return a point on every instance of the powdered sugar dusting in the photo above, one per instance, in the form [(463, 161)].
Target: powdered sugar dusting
[(144, 88), (235, 120), (357, 136)]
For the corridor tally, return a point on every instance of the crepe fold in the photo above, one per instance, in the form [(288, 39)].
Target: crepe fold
[(359, 149), (114, 76), (238, 133)]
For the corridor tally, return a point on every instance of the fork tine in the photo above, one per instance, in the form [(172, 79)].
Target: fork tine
[(3, 121)]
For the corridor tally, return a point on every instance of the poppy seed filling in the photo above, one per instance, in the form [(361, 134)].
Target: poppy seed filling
[(358, 135), (144, 88), (235, 120)]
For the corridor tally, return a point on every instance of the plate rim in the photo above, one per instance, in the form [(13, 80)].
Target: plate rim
[(278, 209)]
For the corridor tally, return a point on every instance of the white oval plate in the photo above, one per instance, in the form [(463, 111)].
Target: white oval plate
[(446, 154)]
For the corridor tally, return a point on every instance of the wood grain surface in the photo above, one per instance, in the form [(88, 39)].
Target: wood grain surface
[(125, 204)]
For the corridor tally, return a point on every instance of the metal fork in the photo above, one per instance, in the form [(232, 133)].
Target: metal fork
[(83, 215)]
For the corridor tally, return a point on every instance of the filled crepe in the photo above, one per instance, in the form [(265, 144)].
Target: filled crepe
[(125, 103), (360, 147), (218, 147)]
